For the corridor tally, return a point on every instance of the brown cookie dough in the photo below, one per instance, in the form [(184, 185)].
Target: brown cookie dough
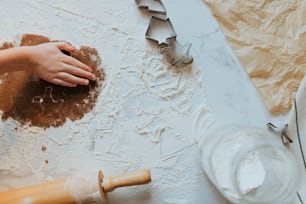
[(33, 101)]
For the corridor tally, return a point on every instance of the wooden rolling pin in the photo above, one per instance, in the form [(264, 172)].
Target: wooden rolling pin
[(73, 189)]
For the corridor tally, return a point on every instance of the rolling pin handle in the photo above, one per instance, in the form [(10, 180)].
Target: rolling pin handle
[(139, 177)]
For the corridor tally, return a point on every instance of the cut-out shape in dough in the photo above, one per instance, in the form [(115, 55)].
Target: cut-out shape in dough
[(153, 6), (35, 102)]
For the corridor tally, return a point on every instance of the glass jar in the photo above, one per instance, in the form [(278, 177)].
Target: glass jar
[(250, 165)]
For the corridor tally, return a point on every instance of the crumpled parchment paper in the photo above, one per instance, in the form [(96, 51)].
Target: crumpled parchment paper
[(269, 39)]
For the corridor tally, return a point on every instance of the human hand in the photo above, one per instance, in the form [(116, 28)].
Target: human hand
[(49, 63)]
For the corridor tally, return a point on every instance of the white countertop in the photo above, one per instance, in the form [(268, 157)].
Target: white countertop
[(147, 114)]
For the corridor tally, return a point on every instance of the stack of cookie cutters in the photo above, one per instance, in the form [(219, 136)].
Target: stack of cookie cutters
[(161, 31)]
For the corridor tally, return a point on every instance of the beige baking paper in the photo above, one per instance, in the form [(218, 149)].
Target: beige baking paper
[(269, 39)]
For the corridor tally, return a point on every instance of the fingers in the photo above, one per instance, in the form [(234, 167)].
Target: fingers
[(71, 72), (66, 79), (63, 83), (76, 71), (72, 79), (72, 76), (70, 60), (76, 63)]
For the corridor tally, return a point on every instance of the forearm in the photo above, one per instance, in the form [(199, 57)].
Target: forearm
[(14, 59)]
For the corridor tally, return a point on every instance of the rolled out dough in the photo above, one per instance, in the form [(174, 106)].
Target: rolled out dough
[(35, 102), (269, 39)]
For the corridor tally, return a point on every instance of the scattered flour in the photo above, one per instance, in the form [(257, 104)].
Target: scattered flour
[(84, 189), (133, 124)]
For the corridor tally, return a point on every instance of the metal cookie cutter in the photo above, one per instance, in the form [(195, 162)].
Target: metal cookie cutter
[(153, 6), (282, 131), (176, 54), (160, 30)]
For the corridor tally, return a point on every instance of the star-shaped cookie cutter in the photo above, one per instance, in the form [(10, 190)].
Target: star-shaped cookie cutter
[(160, 30)]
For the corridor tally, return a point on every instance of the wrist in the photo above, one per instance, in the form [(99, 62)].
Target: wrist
[(25, 58), (16, 59)]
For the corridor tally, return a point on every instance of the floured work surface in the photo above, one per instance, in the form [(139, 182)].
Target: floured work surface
[(269, 38), (147, 114), (36, 102)]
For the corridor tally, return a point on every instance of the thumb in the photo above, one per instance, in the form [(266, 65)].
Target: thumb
[(65, 46)]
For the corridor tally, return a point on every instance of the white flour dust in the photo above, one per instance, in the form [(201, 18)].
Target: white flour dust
[(143, 118)]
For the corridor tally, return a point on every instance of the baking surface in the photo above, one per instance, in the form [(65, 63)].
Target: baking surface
[(148, 115)]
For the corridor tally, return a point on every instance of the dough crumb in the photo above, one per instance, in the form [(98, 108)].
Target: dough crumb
[(43, 148)]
